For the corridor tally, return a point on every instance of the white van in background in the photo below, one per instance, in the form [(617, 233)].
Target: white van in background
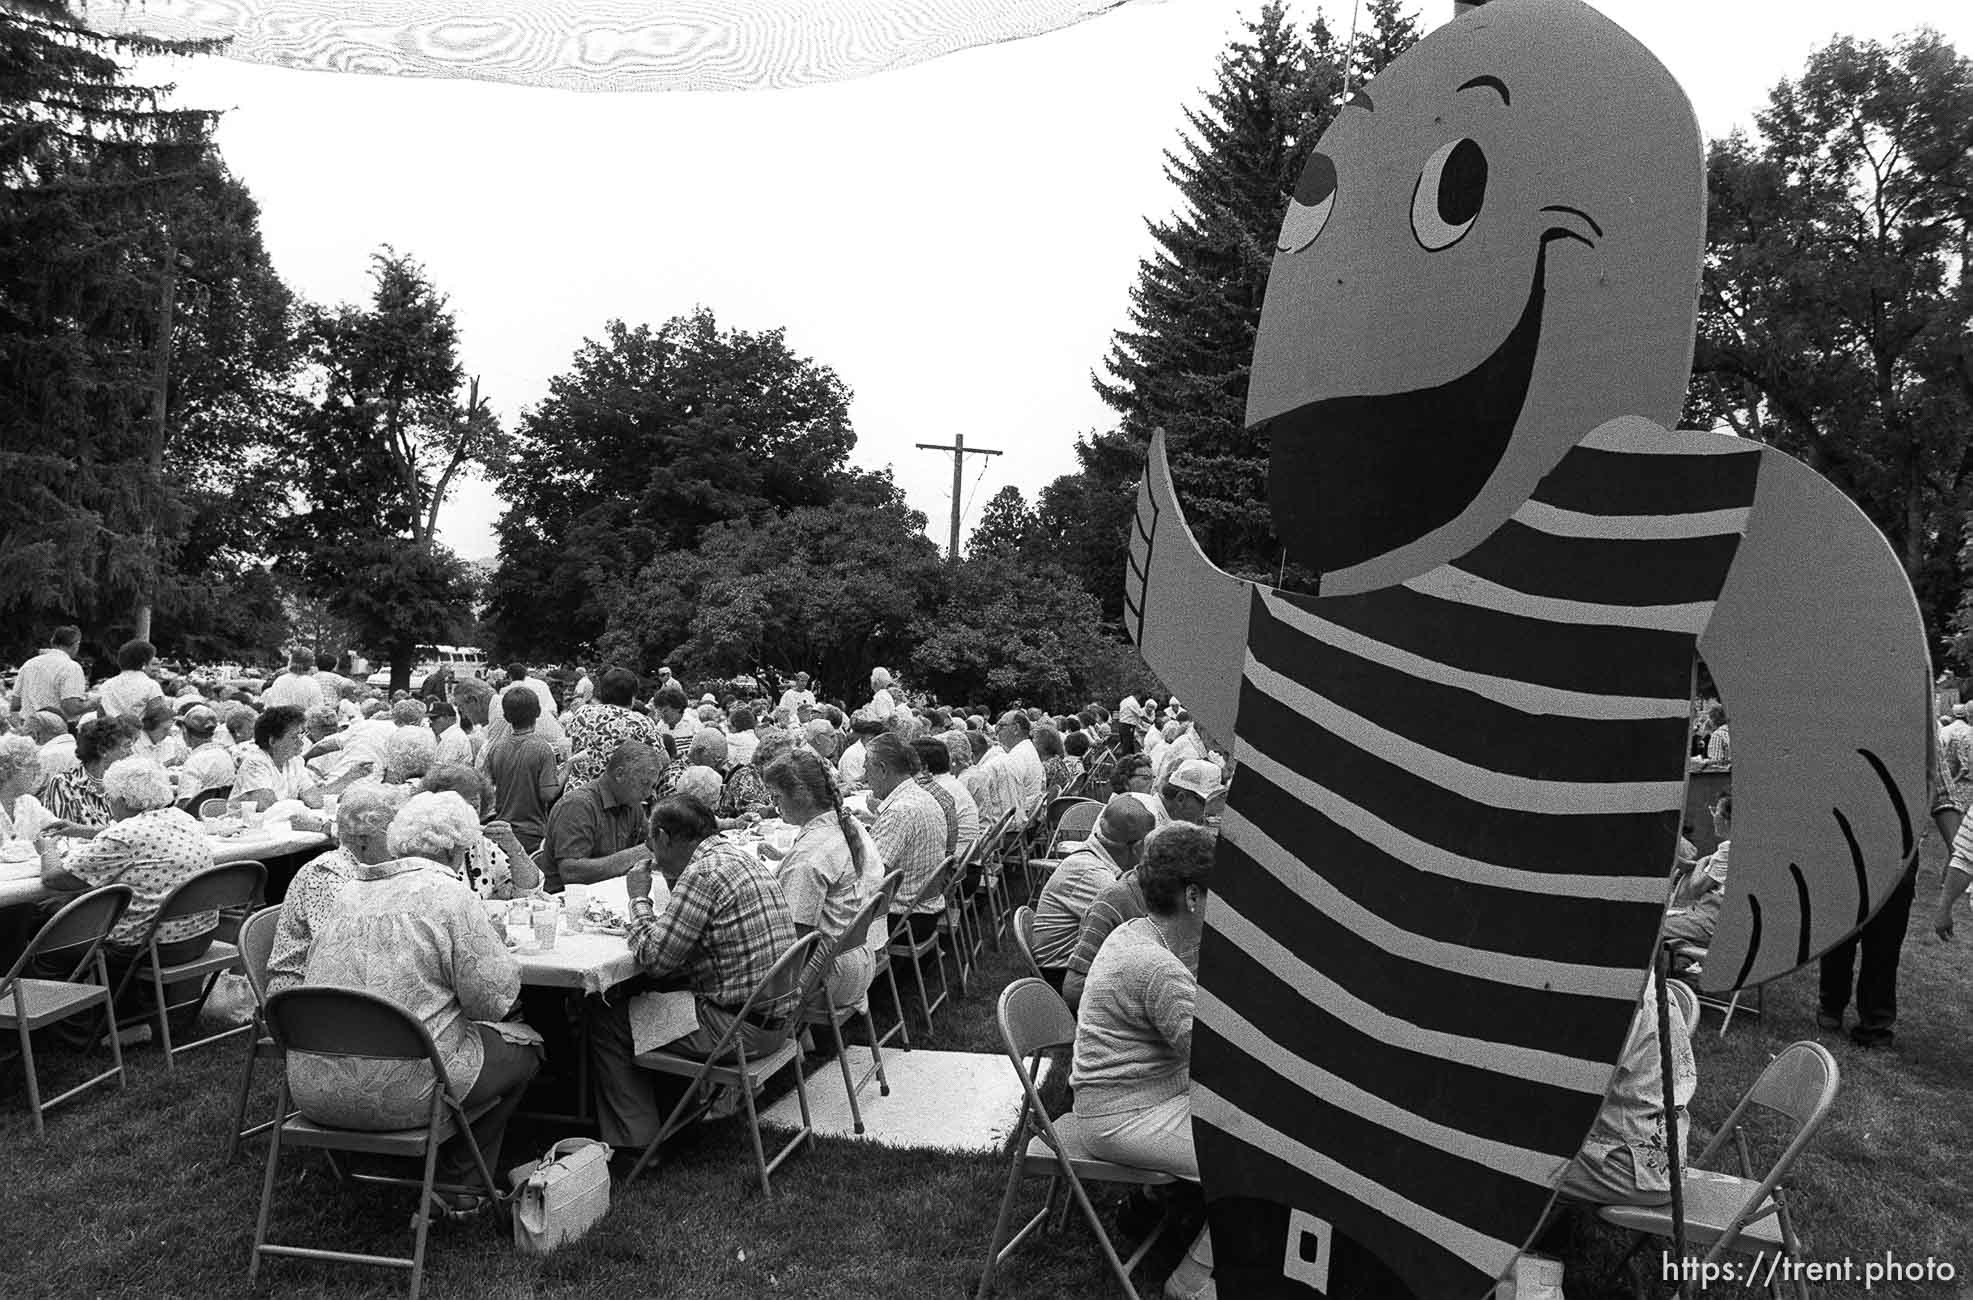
[(463, 660)]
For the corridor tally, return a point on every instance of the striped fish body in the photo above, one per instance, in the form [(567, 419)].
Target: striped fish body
[(1442, 872)]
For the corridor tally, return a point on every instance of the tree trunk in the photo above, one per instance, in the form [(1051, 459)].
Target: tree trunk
[(403, 655), (160, 396)]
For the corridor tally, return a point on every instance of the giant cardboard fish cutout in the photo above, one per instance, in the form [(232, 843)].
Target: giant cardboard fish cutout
[(1462, 763)]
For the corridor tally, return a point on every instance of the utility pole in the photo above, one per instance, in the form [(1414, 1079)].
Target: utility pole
[(960, 451)]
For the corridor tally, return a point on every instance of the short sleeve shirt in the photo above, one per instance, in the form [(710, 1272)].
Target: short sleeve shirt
[(517, 765), (48, 679), (126, 694), (153, 853), (259, 772), (583, 825), (597, 730)]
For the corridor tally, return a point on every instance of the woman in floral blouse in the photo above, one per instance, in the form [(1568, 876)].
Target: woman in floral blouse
[(411, 930)]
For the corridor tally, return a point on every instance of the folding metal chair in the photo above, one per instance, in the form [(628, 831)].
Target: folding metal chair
[(79, 929), (990, 858), (1744, 1213), (835, 1017), (1071, 819), (235, 885), (325, 1021), (727, 1066), (1034, 1020), (213, 807), (1024, 939), (256, 944), (904, 947), (892, 883)]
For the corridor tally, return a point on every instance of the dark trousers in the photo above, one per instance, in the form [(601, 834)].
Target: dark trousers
[(1881, 942), (632, 1102), (503, 1079)]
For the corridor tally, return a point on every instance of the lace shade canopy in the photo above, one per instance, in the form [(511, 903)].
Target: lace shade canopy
[(600, 45)]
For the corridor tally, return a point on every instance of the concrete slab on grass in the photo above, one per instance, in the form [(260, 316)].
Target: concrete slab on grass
[(941, 1101)]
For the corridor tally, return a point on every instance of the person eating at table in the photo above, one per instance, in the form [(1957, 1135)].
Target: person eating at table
[(411, 930), (23, 819), (77, 796), (209, 769), (271, 769), (498, 866), (363, 818), (832, 870), (157, 733), (597, 832), (153, 846), (726, 925), (910, 829)]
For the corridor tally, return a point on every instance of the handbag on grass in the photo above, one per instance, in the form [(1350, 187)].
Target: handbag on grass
[(562, 1195)]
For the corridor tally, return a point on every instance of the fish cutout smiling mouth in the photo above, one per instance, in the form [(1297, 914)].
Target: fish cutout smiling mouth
[(1353, 478)]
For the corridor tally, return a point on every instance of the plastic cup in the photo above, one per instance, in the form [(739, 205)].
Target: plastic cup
[(253, 818), (547, 923)]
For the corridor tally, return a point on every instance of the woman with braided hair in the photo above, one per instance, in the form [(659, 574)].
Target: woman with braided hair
[(832, 870)]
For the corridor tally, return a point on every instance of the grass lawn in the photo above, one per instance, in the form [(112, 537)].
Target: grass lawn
[(126, 1197)]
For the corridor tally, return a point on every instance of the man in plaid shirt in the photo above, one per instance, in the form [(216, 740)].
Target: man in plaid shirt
[(725, 926)]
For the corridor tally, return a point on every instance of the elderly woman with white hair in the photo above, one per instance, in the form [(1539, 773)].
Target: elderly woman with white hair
[(363, 818), (411, 930), (409, 753), (151, 845), (22, 818)]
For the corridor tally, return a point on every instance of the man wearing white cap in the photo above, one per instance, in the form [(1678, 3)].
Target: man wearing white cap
[(210, 765), (1192, 786)]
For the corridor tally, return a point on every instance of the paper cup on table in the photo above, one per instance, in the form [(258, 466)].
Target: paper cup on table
[(575, 903)]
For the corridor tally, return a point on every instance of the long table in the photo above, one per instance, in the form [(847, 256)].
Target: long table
[(20, 882), (593, 963)]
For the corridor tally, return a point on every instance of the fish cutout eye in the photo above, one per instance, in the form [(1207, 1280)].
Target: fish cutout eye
[(1308, 209), (1450, 191)]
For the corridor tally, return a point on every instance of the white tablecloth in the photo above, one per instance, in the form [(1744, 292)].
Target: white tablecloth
[(20, 882), (593, 963)]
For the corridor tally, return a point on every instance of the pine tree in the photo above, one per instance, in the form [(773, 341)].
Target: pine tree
[(1182, 364), (92, 172)]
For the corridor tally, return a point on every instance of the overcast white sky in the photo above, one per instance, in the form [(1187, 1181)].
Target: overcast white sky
[(957, 239)]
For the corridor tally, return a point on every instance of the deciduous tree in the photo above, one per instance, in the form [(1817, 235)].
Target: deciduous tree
[(1834, 313), (651, 437)]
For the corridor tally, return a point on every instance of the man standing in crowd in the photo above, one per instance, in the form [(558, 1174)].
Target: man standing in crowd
[(53, 680), (1075, 885), (517, 675), (597, 832), (126, 694), (297, 688), (526, 781), (333, 685), (882, 703), (797, 695)]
